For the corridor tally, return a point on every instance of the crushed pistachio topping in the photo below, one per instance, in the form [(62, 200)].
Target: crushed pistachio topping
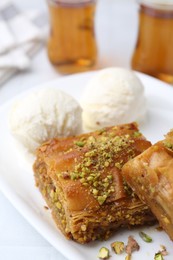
[(100, 153), (101, 131), (168, 145), (137, 134), (119, 164), (79, 143), (104, 253), (158, 256), (145, 237), (118, 247)]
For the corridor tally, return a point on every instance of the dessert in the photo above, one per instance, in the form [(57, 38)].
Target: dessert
[(113, 96), (80, 178), (151, 177), (42, 115)]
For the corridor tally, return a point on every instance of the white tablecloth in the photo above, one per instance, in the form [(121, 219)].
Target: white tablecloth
[(116, 26)]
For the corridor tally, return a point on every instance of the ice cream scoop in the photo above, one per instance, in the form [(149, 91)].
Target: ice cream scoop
[(113, 96), (44, 114)]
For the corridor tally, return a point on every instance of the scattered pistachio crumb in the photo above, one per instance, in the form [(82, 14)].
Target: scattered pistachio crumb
[(136, 134), (118, 165), (145, 237), (95, 191), (118, 247), (79, 143), (101, 152), (101, 199), (104, 253), (158, 256)]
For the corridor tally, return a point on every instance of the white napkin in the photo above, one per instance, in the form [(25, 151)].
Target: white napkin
[(22, 35)]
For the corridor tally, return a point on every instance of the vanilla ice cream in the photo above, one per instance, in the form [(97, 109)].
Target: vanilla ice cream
[(44, 114), (113, 96)]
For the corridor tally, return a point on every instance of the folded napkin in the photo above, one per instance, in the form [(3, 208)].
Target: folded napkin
[(22, 35)]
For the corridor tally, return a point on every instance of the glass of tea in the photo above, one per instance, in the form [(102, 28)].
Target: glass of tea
[(153, 54), (72, 44)]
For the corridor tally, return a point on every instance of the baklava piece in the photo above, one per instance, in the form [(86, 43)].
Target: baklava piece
[(151, 177), (80, 178)]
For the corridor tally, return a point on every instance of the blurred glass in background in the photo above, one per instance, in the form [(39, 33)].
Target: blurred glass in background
[(72, 44), (153, 54)]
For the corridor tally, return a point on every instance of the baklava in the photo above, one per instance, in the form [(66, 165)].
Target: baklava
[(151, 177), (80, 178)]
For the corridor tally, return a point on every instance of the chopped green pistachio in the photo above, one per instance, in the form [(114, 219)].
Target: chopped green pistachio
[(118, 165), (106, 184), (82, 180), (118, 247), (158, 256), (104, 253), (95, 184), (90, 178), (79, 143), (136, 134), (88, 163), (100, 153), (95, 192), (168, 145), (110, 177), (145, 237), (74, 176), (85, 184), (101, 199)]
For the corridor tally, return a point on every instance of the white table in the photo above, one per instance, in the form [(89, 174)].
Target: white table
[(116, 27)]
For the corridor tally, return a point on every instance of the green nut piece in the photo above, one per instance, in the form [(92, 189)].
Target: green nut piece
[(104, 253), (79, 143), (145, 237), (118, 247), (158, 256)]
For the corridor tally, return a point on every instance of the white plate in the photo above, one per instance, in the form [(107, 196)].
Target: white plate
[(17, 182)]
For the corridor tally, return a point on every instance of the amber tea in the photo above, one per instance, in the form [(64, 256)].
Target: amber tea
[(154, 49), (72, 43)]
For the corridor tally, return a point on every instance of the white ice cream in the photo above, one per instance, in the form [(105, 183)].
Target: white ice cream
[(44, 114), (113, 96)]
